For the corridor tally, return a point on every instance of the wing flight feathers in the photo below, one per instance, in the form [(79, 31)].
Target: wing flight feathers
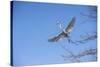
[(70, 26)]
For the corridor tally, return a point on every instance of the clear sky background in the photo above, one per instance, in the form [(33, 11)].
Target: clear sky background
[(34, 23)]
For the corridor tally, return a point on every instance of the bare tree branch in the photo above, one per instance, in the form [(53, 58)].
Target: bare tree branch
[(76, 58), (87, 38)]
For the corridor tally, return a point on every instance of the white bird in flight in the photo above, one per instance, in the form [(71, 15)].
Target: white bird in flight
[(65, 32)]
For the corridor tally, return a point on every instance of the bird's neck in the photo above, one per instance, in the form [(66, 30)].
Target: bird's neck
[(65, 31)]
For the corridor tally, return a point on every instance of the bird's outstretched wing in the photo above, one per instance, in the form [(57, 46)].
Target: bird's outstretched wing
[(68, 29), (56, 38)]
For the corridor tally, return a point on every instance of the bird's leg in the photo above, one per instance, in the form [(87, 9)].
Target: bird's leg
[(69, 40)]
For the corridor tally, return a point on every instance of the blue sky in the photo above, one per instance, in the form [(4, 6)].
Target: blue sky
[(34, 23)]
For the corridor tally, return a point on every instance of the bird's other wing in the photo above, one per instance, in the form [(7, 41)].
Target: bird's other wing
[(68, 29), (56, 38)]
